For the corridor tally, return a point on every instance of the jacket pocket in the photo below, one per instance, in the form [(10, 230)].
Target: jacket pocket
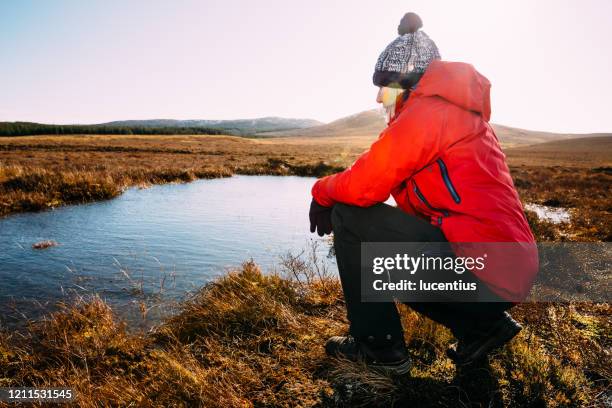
[(422, 198), (447, 181)]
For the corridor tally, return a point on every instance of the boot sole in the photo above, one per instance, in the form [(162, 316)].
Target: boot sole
[(497, 340)]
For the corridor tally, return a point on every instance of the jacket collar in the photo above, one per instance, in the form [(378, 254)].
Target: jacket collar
[(400, 103)]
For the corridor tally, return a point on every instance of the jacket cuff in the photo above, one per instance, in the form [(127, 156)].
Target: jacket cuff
[(319, 193)]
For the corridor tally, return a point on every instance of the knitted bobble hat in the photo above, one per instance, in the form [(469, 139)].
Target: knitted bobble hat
[(405, 59)]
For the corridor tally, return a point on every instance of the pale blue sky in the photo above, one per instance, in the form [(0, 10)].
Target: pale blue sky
[(550, 62)]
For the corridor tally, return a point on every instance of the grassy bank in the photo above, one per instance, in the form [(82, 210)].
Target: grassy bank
[(249, 339), (44, 172), (24, 189), (33, 188)]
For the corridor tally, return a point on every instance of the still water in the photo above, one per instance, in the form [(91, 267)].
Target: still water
[(162, 241)]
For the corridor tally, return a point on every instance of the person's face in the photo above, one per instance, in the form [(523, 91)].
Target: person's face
[(387, 96), (379, 95)]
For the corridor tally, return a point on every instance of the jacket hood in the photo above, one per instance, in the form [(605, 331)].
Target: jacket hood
[(459, 83)]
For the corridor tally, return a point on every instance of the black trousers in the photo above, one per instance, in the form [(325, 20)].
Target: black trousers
[(384, 223)]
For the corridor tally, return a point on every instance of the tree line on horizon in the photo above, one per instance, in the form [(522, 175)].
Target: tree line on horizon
[(31, 129)]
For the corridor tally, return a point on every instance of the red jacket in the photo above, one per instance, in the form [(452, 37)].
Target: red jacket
[(441, 160)]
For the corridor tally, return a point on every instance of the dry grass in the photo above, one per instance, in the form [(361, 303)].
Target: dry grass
[(43, 172), (585, 192), (249, 339)]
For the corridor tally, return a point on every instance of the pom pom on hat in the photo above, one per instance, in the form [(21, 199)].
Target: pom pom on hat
[(410, 23)]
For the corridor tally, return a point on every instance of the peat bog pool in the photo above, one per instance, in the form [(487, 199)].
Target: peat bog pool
[(162, 241)]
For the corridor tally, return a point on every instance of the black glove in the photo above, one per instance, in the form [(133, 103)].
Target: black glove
[(320, 218)]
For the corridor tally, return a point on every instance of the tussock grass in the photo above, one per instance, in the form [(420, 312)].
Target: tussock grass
[(33, 189), (36, 189), (249, 339)]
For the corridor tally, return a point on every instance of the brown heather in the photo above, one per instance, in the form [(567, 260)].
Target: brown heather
[(249, 339)]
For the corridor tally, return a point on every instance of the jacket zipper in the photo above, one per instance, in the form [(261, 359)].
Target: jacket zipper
[(421, 197), (447, 181)]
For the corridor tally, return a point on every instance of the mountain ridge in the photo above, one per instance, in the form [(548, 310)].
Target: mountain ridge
[(364, 126), (372, 122)]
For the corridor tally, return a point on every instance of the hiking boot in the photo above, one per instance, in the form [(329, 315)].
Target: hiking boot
[(479, 343), (387, 355)]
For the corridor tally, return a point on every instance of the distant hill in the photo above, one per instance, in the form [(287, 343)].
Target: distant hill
[(236, 126), (511, 137), (362, 128), (240, 127), (594, 152), (371, 122), (366, 123)]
